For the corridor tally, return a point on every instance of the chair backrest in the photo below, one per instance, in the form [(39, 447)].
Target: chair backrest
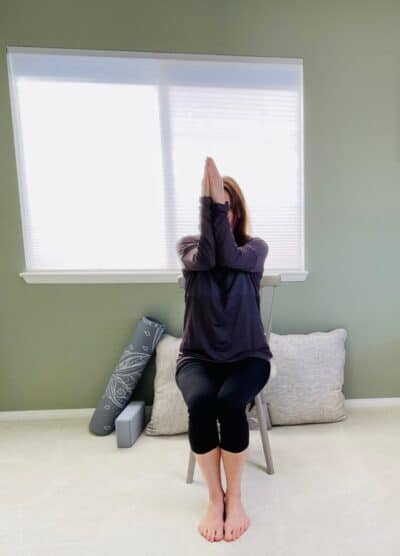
[(273, 282)]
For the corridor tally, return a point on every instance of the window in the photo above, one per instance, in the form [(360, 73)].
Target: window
[(110, 148)]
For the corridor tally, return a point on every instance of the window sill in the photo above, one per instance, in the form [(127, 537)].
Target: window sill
[(128, 277)]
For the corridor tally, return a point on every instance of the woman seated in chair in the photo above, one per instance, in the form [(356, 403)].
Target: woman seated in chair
[(224, 357)]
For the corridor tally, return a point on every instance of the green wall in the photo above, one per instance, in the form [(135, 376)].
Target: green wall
[(59, 343)]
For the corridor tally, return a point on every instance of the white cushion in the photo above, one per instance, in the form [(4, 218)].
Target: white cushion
[(309, 381), (169, 412)]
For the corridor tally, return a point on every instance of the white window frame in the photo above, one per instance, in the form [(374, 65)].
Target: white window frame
[(111, 277)]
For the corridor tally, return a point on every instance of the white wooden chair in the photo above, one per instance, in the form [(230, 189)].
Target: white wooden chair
[(263, 417)]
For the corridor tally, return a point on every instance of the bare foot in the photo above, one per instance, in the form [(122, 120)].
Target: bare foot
[(211, 525), (236, 521)]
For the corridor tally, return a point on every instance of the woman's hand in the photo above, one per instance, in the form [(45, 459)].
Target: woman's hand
[(216, 182), (205, 182)]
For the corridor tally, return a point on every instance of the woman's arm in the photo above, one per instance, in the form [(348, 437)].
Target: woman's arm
[(249, 257), (198, 253)]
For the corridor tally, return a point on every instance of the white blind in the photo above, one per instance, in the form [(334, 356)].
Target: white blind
[(111, 146)]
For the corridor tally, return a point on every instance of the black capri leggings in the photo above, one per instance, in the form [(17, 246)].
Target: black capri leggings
[(220, 391)]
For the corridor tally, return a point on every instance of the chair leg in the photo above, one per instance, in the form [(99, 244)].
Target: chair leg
[(268, 418), (264, 434), (191, 465)]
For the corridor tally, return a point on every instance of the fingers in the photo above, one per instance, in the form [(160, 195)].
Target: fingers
[(211, 168), (213, 173), (208, 182), (215, 181), (211, 164), (205, 182)]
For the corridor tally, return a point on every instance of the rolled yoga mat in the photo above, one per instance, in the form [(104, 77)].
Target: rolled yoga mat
[(126, 375)]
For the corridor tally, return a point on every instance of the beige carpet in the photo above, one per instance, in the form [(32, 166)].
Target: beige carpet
[(335, 491)]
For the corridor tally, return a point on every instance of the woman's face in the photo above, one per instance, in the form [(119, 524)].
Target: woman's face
[(230, 213)]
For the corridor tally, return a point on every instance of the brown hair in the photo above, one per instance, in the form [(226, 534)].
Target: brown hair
[(241, 226)]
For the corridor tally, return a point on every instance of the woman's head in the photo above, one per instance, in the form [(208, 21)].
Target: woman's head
[(237, 214)]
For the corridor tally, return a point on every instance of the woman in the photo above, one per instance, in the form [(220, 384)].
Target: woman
[(224, 358)]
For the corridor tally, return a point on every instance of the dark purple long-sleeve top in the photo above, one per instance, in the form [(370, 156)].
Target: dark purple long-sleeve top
[(222, 320)]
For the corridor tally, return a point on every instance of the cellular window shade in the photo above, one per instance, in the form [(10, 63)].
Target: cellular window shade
[(111, 147)]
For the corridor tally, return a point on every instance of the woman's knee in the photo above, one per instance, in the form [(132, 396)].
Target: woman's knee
[(228, 405), (201, 403)]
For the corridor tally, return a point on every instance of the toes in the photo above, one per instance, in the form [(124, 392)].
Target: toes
[(231, 534), (211, 534), (219, 536)]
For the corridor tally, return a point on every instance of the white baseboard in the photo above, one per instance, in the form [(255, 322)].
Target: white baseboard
[(372, 402), (43, 414)]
